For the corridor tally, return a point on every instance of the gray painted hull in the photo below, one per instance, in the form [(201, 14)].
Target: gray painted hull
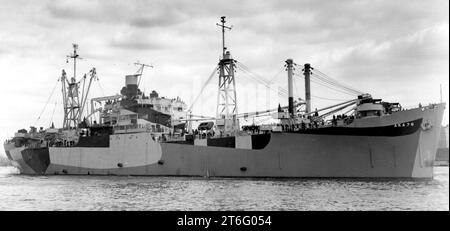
[(286, 155)]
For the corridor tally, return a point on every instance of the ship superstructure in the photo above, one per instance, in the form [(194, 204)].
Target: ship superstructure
[(132, 133)]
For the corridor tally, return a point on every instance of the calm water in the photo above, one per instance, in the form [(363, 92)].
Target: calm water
[(18, 192)]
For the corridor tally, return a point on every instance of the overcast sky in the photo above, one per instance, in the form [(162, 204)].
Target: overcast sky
[(394, 50)]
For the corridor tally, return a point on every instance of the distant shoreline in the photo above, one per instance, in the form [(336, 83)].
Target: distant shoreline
[(4, 162)]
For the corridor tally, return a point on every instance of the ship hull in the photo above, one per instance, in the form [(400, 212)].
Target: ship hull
[(291, 154)]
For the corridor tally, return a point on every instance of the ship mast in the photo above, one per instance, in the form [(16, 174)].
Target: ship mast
[(71, 94), (226, 111), (73, 105)]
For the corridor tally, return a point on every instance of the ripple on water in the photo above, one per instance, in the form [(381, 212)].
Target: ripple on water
[(19, 192)]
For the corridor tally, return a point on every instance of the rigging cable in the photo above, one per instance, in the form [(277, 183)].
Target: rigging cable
[(48, 100), (261, 80), (329, 98), (285, 92), (331, 79), (280, 90), (331, 82), (203, 87), (296, 89), (271, 80), (330, 85), (295, 84), (53, 113), (334, 84), (338, 83)]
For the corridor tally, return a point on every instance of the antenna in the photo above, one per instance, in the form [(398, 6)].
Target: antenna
[(141, 69), (74, 56), (222, 20)]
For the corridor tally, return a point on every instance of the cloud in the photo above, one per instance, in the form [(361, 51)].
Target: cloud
[(3, 51), (338, 22), (140, 40), (425, 47), (162, 16), (145, 14), (135, 44), (94, 11)]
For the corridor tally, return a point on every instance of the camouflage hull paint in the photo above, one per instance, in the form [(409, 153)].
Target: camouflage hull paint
[(368, 158), (15, 155), (286, 154), (37, 159)]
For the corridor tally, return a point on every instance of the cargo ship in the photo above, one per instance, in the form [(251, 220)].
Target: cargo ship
[(147, 135)]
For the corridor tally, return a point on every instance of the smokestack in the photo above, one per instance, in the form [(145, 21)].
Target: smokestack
[(131, 85), (307, 73), (289, 63)]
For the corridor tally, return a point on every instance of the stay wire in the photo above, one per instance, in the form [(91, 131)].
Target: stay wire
[(203, 87), (331, 83), (325, 84), (334, 89), (260, 79), (53, 113), (48, 100), (281, 91), (335, 84), (335, 81)]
